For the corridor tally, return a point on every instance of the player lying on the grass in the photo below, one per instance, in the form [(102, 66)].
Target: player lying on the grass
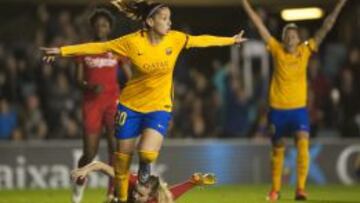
[(154, 190)]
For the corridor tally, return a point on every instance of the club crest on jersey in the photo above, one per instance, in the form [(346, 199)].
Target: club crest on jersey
[(168, 51)]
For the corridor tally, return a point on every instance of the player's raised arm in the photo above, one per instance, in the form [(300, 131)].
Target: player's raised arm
[(264, 32), (329, 22)]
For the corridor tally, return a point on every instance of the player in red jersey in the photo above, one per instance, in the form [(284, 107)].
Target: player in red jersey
[(154, 190), (97, 76)]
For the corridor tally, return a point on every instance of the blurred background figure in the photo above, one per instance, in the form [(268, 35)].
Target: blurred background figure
[(9, 126)]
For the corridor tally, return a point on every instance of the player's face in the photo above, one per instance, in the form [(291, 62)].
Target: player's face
[(102, 27), (161, 21), (291, 38), (141, 193)]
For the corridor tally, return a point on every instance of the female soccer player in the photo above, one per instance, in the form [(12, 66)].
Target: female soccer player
[(97, 76), (287, 97), (154, 190), (145, 104)]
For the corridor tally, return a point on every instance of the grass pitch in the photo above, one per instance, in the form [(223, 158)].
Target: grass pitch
[(217, 194)]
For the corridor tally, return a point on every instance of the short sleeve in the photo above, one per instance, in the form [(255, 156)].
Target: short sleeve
[(311, 44), (273, 45), (180, 39)]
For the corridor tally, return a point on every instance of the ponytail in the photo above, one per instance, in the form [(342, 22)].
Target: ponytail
[(138, 10), (159, 190), (164, 195)]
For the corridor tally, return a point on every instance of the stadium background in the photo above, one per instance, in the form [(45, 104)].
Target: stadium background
[(220, 107)]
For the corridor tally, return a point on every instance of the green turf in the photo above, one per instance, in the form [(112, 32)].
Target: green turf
[(223, 194)]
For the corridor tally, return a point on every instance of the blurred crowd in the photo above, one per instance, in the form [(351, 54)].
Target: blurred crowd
[(43, 101)]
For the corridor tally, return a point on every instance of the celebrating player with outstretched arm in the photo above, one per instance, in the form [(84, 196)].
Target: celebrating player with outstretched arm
[(145, 104), (288, 92)]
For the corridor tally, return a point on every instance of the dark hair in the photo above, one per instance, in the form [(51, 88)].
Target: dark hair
[(101, 12), (138, 10)]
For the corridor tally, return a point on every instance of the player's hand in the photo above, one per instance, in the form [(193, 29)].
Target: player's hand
[(239, 38), (119, 4), (48, 59), (79, 173), (50, 53)]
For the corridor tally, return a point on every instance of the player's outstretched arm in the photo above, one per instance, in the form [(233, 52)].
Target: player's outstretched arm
[(93, 48), (264, 32), (329, 22), (210, 40), (197, 179), (94, 166), (77, 50)]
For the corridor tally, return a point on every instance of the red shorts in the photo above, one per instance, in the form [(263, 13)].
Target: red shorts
[(98, 112)]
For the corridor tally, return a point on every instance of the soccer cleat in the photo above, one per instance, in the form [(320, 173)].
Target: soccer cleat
[(144, 172), (273, 196), (78, 190), (203, 178), (111, 199), (300, 195)]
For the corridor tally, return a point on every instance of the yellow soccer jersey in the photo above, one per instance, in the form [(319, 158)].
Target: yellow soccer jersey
[(150, 88), (288, 88)]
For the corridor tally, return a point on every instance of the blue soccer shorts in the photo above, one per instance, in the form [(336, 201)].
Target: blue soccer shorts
[(285, 122), (130, 124)]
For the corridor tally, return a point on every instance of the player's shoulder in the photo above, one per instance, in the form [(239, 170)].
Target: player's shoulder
[(309, 44), (273, 41), (176, 34), (273, 44), (130, 36)]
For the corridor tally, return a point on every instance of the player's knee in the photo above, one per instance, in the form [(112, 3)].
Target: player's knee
[(148, 156), (301, 135), (278, 143), (121, 162), (125, 147)]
